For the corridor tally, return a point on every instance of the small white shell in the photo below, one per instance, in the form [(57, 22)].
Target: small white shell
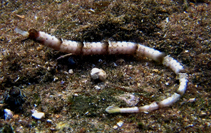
[(8, 114), (97, 73), (37, 115)]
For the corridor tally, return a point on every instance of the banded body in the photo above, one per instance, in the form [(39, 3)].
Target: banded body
[(116, 47)]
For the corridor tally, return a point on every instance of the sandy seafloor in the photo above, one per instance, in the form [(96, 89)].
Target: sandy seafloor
[(63, 89)]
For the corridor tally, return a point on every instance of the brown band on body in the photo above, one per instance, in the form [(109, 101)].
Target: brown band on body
[(135, 51), (160, 58), (81, 45), (105, 46), (33, 34), (57, 47), (60, 41), (182, 71)]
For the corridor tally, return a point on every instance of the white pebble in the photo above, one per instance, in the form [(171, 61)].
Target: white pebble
[(70, 71), (115, 127), (97, 87), (37, 115), (192, 100), (55, 78), (8, 114), (49, 121), (120, 123), (97, 73), (76, 94)]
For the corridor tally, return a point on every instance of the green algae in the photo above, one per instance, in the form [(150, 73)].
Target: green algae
[(95, 105)]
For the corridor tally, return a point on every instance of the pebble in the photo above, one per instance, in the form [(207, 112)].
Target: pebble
[(76, 94), (55, 78), (20, 16), (120, 123), (70, 71), (203, 113), (97, 87), (115, 127), (37, 115), (192, 100), (8, 114), (98, 74), (49, 121)]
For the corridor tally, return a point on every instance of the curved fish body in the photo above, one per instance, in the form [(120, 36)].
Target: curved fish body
[(116, 47)]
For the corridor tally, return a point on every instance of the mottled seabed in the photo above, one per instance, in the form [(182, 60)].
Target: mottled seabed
[(63, 90)]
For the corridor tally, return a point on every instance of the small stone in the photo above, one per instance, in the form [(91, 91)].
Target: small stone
[(76, 94), (120, 123), (100, 60), (70, 71), (55, 78), (97, 87), (40, 47), (37, 115), (189, 125), (167, 83), (192, 100), (98, 74), (203, 113), (155, 70), (49, 121), (186, 51), (58, 1), (114, 64), (20, 16), (8, 114), (15, 116), (49, 68), (115, 127)]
